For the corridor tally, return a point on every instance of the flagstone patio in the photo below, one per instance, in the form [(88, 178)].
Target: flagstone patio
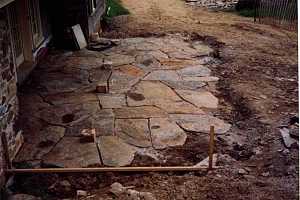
[(157, 95)]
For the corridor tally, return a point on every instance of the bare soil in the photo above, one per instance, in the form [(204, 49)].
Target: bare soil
[(258, 91)]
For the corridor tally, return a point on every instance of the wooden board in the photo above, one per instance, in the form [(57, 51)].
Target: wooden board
[(79, 36)]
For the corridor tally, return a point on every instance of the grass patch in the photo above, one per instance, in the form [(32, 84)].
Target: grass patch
[(246, 12), (115, 8)]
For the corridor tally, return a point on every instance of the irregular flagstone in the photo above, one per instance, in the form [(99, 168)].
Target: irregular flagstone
[(202, 79), (159, 55), (202, 99), (40, 143), (115, 152), (179, 107), (147, 62), (185, 85), (92, 125), (100, 75), (150, 93), (131, 70), (163, 75), (119, 59), (68, 113), (121, 81), (112, 100), (134, 131), (200, 123), (176, 64), (84, 62), (70, 152), (181, 55), (71, 98), (139, 112), (202, 49), (194, 71), (60, 82), (165, 133)]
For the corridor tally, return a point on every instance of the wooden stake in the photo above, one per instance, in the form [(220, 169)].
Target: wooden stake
[(105, 169), (211, 147)]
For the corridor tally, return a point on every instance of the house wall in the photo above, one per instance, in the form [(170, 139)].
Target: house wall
[(8, 93)]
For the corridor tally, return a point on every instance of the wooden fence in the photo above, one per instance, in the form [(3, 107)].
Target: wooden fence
[(281, 13)]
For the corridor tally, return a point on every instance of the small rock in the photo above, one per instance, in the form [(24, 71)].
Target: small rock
[(117, 189), (81, 193), (204, 163), (286, 152), (265, 174), (147, 196), (287, 139), (242, 171)]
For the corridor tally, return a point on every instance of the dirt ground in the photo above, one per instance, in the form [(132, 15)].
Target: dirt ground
[(258, 89)]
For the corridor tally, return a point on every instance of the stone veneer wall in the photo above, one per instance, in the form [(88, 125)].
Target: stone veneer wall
[(8, 93)]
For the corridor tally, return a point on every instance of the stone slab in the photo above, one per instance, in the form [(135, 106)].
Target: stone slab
[(163, 75), (150, 93), (134, 131), (115, 152), (166, 133), (193, 71), (92, 125), (201, 123), (202, 79), (185, 85), (178, 107), (203, 99), (40, 143), (69, 152), (141, 112), (112, 100)]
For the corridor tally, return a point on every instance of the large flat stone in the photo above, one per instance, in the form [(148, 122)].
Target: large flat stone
[(201, 123), (99, 75), (166, 133), (178, 107), (115, 152), (122, 81), (119, 59), (85, 63), (141, 112), (202, 99), (131, 70), (202, 49), (67, 114), (92, 125), (40, 143), (62, 80), (147, 62), (193, 71), (71, 98), (112, 100), (69, 152), (134, 131), (202, 79), (185, 85), (150, 93), (163, 75), (175, 64)]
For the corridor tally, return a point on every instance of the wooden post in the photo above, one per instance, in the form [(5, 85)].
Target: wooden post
[(211, 147)]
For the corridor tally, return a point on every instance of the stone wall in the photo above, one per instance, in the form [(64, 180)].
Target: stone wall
[(8, 92)]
